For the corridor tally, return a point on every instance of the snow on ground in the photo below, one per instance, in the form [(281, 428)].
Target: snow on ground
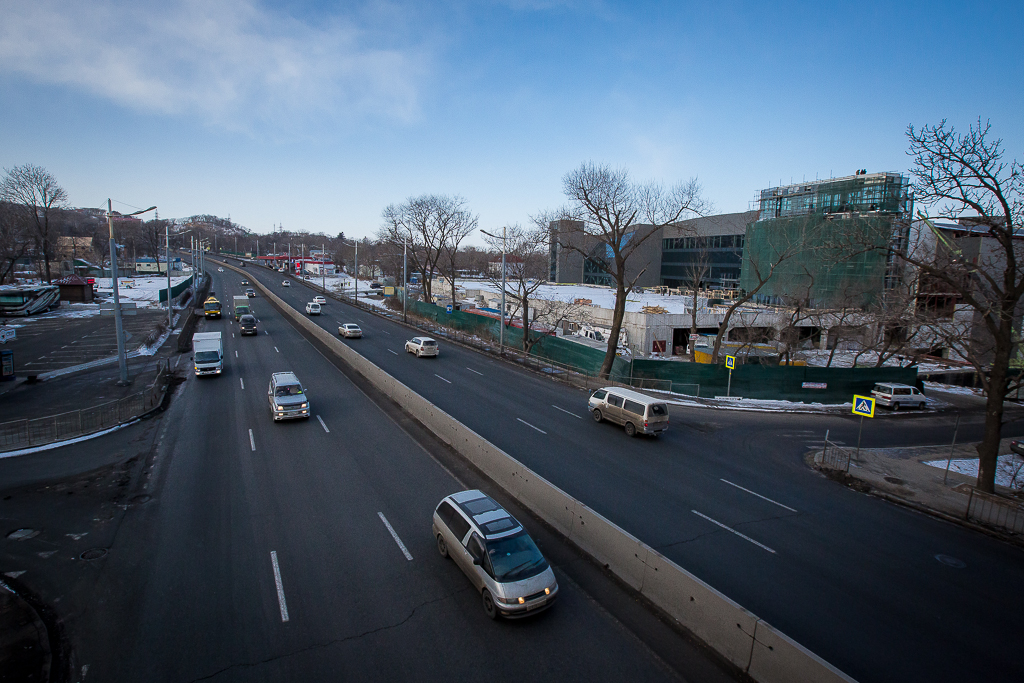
[(144, 291), (953, 389), (1009, 470), (603, 297)]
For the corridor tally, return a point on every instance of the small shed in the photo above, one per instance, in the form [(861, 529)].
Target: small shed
[(74, 288)]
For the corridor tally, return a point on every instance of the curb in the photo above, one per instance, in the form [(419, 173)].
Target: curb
[(27, 646)]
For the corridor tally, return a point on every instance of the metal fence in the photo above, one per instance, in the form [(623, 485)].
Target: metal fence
[(18, 434), (834, 457), (996, 511)]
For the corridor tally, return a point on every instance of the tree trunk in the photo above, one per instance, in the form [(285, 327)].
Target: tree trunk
[(526, 325), (693, 327), (613, 337), (988, 449)]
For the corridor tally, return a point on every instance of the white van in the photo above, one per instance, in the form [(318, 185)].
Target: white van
[(894, 396), (637, 413)]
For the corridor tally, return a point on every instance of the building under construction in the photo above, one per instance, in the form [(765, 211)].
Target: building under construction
[(828, 242)]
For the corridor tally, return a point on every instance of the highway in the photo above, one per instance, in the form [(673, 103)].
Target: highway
[(728, 496), (302, 550)]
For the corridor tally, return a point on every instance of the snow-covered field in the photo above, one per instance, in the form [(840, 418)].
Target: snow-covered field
[(144, 291), (604, 297), (1009, 470)]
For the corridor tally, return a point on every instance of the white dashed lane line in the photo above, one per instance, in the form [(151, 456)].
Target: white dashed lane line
[(394, 352), (395, 536), (281, 602), (442, 378), (236, 352), (252, 440), (323, 425), (566, 411), (730, 529), (531, 426), (472, 370), (241, 381), (759, 495), (275, 349)]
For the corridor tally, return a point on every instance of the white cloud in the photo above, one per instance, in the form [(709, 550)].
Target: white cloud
[(233, 63)]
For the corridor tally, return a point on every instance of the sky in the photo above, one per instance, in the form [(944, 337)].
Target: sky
[(315, 115)]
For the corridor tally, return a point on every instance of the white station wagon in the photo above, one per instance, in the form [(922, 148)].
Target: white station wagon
[(422, 346), (313, 308)]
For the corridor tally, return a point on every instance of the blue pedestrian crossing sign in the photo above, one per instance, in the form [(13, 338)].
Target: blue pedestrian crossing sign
[(730, 362), (863, 406), (448, 308)]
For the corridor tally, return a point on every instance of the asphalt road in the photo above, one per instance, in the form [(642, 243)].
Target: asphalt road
[(728, 496), (259, 550)]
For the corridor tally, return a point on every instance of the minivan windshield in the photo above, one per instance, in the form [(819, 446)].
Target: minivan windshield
[(515, 557)]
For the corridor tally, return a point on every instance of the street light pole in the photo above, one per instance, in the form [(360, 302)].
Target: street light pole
[(405, 281), (355, 243), (170, 311), (122, 360), (501, 337), (323, 275)]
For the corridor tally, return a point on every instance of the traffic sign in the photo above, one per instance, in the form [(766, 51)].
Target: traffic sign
[(863, 406), (7, 334), (730, 362), (694, 337), (448, 308), (127, 308)]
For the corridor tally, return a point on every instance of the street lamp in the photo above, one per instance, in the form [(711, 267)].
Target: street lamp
[(122, 360), (501, 338), (355, 243)]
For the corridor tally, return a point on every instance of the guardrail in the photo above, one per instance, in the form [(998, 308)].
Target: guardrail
[(995, 511), (18, 434), (741, 637), (834, 457)]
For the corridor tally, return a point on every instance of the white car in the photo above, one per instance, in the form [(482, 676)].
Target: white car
[(220, 270), (350, 330), (286, 283), (422, 346), (313, 308), (319, 300)]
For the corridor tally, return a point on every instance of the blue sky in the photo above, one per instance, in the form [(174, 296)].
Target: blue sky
[(316, 115)]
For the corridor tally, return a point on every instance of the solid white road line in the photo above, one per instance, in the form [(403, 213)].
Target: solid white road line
[(282, 603), (759, 495), (746, 538), (323, 425), (385, 332), (395, 536), (241, 380), (472, 370), (566, 411), (252, 440), (531, 426), (442, 378), (275, 349), (394, 352), (266, 331)]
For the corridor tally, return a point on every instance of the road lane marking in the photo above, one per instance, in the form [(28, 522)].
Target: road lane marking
[(566, 411), (385, 332), (282, 603), (236, 352), (252, 440), (394, 352), (266, 331), (323, 425), (442, 378), (395, 536), (275, 349), (232, 335), (472, 370), (531, 426), (758, 495), (746, 538), (242, 381)]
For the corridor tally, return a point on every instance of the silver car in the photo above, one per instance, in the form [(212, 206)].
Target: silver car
[(422, 346), (350, 330), (496, 553), (288, 400)]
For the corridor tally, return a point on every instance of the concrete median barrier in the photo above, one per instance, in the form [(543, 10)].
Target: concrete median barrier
[(777, 658), (739, 636), (718, 621)]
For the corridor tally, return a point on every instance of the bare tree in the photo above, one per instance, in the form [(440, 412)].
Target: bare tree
[(14, 239), (525, 261), (454, 222), (36, 191), (618, 215), (966, 171)]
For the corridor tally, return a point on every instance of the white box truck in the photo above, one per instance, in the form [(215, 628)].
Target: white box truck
[(208, 353)]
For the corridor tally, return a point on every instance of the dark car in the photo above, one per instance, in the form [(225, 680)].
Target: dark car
[(1017, 447), (247, 323)]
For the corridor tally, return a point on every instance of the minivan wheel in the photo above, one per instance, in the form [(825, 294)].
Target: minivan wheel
[(442, 547), (490, 609), (630, 429), (895, 406), (597, 416)]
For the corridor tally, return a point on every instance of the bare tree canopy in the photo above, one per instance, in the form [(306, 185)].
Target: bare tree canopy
[(960, 172), (525, 261), (36, 191), (619, 216)]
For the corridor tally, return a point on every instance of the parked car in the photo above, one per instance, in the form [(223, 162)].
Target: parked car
[(287, 397), (313, 308), (286, 283), (637, 413), (493, 549), (375, 285), (247, 324), (895, 396), (422, 346), (220, 270), (350, 330), (250, 292), (319, 300), (1017, 447)]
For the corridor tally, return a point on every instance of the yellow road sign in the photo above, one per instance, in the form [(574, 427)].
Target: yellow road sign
[(730, 362), (863, 405)]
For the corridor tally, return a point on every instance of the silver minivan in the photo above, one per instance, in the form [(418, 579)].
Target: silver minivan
[(894, 396), (288, 399), (496, 553), (638, 414)]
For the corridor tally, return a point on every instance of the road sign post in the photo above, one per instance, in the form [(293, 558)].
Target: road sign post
[(865, 407), (730, 363)]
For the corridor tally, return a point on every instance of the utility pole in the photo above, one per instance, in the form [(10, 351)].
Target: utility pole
[(405, 280), (170, 311), (323, 275), (122, 361)]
